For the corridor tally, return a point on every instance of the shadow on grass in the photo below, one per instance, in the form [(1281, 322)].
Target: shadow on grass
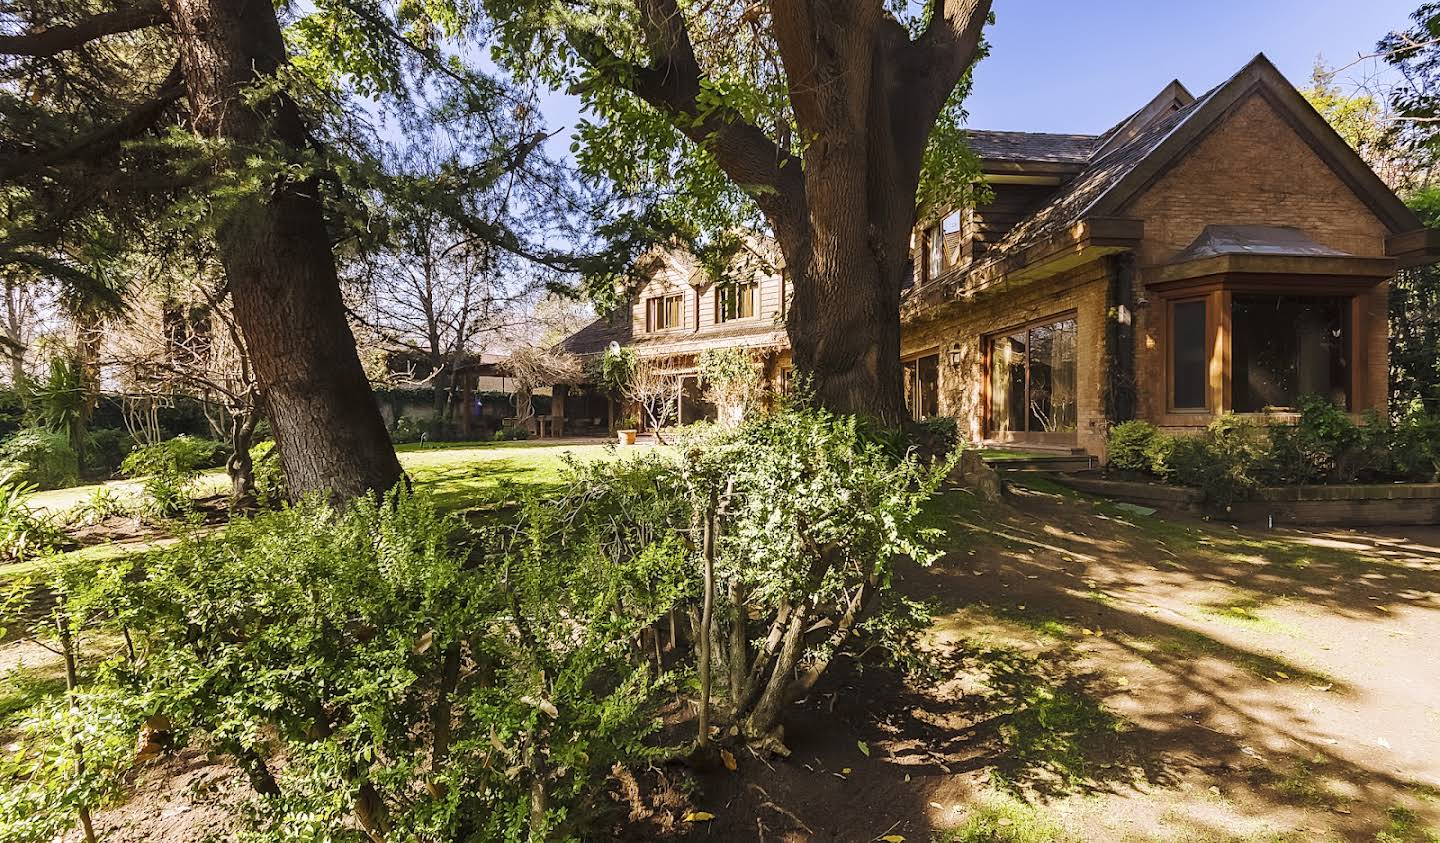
[(1073, 585)]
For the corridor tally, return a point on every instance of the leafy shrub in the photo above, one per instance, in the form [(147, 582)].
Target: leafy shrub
[(1325, 445), (1414, 445), (41, 457), (105, 449), (184, 453), (271, 490), (1219, 461), (511, 434), (69, 751), (411, 681), (1129, 446), (103, 503), (168, 470), (24, 533), (406, 430), (815, 514)]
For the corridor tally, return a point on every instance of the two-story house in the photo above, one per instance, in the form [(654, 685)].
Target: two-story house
[(1221, 253), (679, 312)]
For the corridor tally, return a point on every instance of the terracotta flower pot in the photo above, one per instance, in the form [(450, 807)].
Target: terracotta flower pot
[(627, 437)]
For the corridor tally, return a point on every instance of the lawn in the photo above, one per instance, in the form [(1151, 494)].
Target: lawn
[(461, 475), (453, 469)]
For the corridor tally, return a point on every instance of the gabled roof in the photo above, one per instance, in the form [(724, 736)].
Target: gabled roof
[(1171, 98), (1031, 146), (1116, 177)]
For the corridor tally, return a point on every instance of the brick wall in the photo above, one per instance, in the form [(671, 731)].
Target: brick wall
[(1252, 169), (965, 325)]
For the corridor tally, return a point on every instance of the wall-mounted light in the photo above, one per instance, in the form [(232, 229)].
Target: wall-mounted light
[(957, 355)]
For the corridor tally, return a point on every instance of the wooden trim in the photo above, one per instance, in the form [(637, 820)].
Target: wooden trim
[(1223, 348), (1360, 397)]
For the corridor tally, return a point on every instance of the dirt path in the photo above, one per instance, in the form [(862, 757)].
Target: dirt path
[(1109, 677)]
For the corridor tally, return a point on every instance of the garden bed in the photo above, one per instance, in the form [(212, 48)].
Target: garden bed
[(1356, 505)]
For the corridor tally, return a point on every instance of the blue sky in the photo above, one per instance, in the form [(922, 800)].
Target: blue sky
[(1076, 66), (1082, 65)]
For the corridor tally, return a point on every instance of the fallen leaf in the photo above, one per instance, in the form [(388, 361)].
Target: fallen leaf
[(699, 817), (845, 770), (729, 758), (894, 838), (1003, 821), (1282, 674), (937, 806), (864, 748)]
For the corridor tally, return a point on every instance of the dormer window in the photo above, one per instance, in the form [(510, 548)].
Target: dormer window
[(664, 312), (737, 301)]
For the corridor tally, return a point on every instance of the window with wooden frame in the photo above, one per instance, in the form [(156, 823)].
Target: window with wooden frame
[(922, 386), (1287, 347), (664, 312), (737, 301), (934, 251), (1189, 359), (1032, 376)]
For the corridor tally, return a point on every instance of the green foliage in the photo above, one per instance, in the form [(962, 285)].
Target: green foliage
[(62, 401), (271, 489), (406, 430), (1128, 446), (24, 533), (68, 751), (733, 381), (103, 503), (1233, 457), (409, 674), (184, 454), (512, 434), (1325, 445), (42, 457), (105, 449), (617, 369), (168, 470)]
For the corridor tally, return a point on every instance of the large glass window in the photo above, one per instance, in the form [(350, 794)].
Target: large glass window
[(1189, 369), (1032, 379), (1284, 347), (922, 386)]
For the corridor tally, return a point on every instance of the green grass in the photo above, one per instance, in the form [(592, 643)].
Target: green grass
[(461, 475), (24, 687), (1003, 819), (1403, 826)]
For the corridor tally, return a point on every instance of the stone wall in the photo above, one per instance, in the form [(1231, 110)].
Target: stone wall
[(965, 325)]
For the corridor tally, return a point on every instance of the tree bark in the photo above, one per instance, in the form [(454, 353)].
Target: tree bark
[(865, 97), (277, 256)]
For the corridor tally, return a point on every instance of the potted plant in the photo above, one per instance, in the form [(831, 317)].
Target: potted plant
[(629, 426)]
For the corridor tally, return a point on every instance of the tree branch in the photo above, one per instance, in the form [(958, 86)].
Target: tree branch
[(672, 84), (103, 140), (53, 40)]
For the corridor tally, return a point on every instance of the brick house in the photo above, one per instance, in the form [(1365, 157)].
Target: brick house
[(1221, 253)]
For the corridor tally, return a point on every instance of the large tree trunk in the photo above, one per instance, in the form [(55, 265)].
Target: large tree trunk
[(277, 255), (865, 96)]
